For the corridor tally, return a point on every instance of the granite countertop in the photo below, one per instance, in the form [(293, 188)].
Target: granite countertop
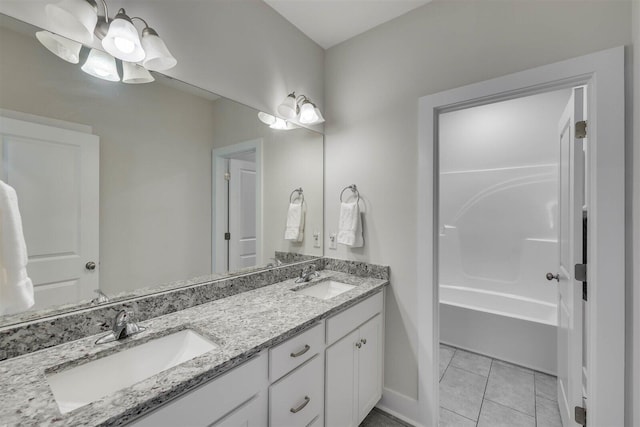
[(242, 325)]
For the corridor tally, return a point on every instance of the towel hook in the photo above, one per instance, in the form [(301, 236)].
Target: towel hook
[(353, 189), (300, 195)]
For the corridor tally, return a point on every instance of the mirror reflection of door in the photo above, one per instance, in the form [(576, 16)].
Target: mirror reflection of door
[(55, 171), (242, 213)]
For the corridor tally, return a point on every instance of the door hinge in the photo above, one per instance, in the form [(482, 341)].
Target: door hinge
[(580, 415), (227, 236), (580, 272), (581, 129), (227, 176)]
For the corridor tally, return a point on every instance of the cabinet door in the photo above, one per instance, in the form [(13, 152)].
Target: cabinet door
[(254, 413), (369, 367), (341, 382)]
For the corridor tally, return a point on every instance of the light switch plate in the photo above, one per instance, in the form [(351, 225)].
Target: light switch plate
[(316, 239)]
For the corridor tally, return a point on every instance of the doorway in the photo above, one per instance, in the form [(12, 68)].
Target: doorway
[(503, 220), (604, 350), (237, 235)]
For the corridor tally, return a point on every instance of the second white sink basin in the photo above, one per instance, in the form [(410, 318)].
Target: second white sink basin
[(326, 289), (87, 383)]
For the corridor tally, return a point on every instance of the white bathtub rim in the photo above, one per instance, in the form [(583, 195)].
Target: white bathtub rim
[(500, 312)]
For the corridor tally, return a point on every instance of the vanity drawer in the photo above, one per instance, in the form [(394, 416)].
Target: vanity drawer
[(294, 352), (297, 399), (210, 402), (341, 324)]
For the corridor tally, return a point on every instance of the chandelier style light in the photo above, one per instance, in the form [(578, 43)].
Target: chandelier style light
[(80, 21)]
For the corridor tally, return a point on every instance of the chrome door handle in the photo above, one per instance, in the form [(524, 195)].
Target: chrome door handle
[(90, 266), (307, 399), (550, 277), (301, 352)]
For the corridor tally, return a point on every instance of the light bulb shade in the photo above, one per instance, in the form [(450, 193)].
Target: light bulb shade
[(62, 47), (289, 107), (320, 117), (101, 65), (158, 57), (267, 119), (280, 124), (122, 40), (308, 113), (75, 19), (135, 74)]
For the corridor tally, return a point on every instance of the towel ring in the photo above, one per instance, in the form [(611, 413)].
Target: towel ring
[(353, 189), (300, 195)]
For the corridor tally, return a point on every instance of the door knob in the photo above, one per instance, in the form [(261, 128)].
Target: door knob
[(90, 266), (550, 277)]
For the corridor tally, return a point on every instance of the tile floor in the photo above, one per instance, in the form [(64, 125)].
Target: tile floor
[(480, 391), (477, 391)]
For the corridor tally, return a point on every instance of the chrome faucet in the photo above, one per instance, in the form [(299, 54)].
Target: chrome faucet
[(276, 263), (123, 326), (100, 299), (307, 274)]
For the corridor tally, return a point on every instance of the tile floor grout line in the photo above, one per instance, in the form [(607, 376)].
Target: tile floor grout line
[(454, 412), (447, 367), (509, 407), (466, 370), (484, 393)]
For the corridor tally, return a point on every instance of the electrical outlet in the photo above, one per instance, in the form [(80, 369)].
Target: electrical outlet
[(316, 239), (333, 241)]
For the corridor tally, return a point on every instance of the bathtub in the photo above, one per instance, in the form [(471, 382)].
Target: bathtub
[(504, 326)]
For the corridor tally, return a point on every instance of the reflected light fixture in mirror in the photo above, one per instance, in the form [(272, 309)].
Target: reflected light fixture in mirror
[(63, 48), (135, 74), (300, 108), (275, 122), (79, 20), (101, 65)]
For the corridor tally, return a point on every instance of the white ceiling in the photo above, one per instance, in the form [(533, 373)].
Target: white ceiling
[(329, 22)]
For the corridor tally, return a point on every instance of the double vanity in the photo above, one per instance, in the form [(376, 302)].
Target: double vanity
[(284, 354)]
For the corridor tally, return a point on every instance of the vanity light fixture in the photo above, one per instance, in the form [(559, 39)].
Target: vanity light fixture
[(80, 21), (135, 73), (101, 65), (62, 47), (300, 108), (275, 122)]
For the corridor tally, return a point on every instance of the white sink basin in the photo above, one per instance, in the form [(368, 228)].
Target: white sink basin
[(87, 383), (326, 289)]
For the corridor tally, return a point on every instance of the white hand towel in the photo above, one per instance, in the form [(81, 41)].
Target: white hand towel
[(16, 289), (294, 229), (350, 225)]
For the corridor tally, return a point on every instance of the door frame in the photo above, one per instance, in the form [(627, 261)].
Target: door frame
[(603, 73), (219, 203)]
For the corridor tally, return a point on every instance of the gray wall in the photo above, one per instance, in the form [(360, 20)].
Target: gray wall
[(373, 83), (633, 325), (155, 162)]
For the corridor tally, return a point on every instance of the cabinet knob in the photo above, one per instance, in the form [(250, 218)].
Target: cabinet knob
[(358, 344), (551, 276), (363, 340)]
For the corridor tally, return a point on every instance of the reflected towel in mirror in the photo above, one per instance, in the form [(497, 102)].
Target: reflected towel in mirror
[(16, 288)]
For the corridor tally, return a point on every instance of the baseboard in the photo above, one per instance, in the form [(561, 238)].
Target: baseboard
[(400, 406)]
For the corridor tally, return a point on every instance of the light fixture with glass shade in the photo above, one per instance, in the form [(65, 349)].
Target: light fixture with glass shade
[(80, 20), (62, 47), (275, 122), (101, 65), (301, 109), (135, 73)]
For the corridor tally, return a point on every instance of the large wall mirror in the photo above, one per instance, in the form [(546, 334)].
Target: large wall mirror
[(130, 189)]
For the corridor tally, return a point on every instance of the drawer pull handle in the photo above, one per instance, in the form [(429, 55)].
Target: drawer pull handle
[(307, 399), (301, 352)]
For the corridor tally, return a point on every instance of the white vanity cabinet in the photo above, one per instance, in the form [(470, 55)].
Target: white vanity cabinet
[(353, 377), (236, 398)]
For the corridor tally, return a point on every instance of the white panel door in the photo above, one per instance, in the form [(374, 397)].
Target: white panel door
[(242, 214), (55, 173), (341, 384), (369, 366), (570, 202)]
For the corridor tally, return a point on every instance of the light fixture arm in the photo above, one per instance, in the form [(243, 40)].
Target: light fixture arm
[(106, 10), (142, 20)]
